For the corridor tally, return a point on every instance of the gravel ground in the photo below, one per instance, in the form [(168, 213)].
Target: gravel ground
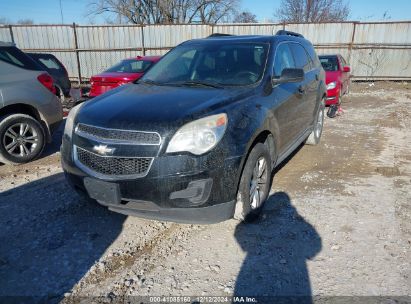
[(337, 223)]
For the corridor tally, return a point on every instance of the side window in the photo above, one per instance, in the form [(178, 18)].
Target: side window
[(283, 59), (50, 63), (301, 57), (16, 57)]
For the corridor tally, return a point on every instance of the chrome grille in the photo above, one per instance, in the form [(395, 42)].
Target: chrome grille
[(118, 136), (112, 166)]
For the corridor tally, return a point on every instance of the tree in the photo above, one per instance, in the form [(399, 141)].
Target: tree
[(245, 17), (25, 21), (165, 11), (4, 20), (312, 10)]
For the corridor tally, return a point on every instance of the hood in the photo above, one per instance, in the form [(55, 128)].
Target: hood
[(147, 108), (115, 77), (332, 76)]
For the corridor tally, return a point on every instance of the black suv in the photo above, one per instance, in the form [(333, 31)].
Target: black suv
[(196, 139)]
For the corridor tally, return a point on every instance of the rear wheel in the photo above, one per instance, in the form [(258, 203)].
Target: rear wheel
[(254, 184), (315, 136), (21, 139)]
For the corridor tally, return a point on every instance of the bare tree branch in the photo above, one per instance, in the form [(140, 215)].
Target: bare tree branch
[(165, 11), (245, 17), (312, 10)]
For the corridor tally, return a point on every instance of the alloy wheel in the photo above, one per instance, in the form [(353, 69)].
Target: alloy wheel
[(319, 124), (258, 182), (20, 140)]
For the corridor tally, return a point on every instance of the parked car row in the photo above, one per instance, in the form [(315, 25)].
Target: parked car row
[(191, 138)]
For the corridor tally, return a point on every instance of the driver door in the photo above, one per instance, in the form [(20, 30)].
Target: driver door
[(286, 98)]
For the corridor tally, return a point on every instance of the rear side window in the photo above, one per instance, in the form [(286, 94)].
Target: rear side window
[(283, 59), (50, 63), (301, 57), (312, 54), (131, 66), (16, 57)]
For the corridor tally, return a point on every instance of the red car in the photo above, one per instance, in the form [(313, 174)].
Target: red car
[(126, 71), (337, 77)]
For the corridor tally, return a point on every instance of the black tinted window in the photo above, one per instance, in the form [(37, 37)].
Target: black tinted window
[(47, 61), (301, 57), (329, 63), (229, 64), (283, 59), (16, 57)]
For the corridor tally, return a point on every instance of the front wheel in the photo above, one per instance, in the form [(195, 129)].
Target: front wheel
[(254, 184), (21, 139), (315, 136)]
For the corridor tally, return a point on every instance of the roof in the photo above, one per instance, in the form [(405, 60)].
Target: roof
[(2, 43), (223, 38)]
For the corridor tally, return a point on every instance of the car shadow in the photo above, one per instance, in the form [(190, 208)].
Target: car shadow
[(50, 238), (278, 246)]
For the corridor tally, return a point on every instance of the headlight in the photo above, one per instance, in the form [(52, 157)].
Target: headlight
[(332, 85), (199, 136), (68, 129)]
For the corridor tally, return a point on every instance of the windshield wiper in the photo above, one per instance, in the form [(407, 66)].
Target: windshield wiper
[(149, 81), (197, 83)]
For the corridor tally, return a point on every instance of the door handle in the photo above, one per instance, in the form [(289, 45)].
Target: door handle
[(316, 77)]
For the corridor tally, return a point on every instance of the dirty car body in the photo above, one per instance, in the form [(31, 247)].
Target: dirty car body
[(173, 145)]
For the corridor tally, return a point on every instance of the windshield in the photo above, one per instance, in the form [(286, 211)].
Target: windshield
[(130, 66), (219, 65), (329, 63)]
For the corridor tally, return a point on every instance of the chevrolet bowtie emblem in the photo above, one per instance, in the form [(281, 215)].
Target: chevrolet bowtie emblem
[(103, 150)]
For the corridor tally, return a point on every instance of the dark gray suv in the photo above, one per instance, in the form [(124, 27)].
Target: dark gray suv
[(29, 108), (196, 139)]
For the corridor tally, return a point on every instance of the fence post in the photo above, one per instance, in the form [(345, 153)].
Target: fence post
[(11, 33), (77, 54), (143, 48), (352, 41)]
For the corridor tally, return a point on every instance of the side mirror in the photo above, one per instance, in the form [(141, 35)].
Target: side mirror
[(346, 69), (289, 75)]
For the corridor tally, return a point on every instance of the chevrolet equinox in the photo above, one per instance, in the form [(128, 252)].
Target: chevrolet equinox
[(195, 140)]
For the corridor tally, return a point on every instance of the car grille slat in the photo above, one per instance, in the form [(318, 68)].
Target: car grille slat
[(118, 136), (113, 166)]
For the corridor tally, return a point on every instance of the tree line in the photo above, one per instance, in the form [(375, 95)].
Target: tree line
[(213, 11)]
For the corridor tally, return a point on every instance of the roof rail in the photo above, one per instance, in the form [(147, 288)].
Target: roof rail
[(288, 33), (219, 35)]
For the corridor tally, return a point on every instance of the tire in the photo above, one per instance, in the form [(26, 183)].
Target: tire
[(22, 139), (315, 136), (248, 207)]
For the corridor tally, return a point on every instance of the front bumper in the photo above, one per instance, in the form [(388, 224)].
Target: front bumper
[(180, 188)]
